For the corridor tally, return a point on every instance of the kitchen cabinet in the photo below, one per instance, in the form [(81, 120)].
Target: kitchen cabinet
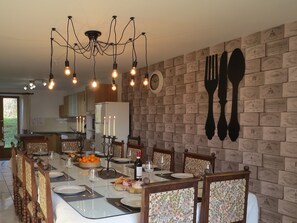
[(81, 103)]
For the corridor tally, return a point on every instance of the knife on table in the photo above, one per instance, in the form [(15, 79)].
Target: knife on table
[(222, 93)]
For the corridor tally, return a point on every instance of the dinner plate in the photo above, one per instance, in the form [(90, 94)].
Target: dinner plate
[(182, 175), (55, 174), (69, 189), (40, 153), (121, 160), (134, 202)]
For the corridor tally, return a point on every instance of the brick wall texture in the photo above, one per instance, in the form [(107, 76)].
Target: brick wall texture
[(267, 111)]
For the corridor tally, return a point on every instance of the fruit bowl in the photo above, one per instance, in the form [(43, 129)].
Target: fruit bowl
[(90, 161)]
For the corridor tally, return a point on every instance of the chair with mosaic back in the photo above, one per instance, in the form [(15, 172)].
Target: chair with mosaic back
[(15, 183), (32, 146), (168, 158), (118, 148), (134, 140), (70, 145), (225, 197), (21, 187), (45, 208), (134, 149), (170, 201), (197, 163), (30, 196)]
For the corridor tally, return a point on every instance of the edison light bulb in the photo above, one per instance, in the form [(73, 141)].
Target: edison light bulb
[(133, 71), (67, 70), (74, 80), (114, 73), (145, 82), (114, 87), (94, 83), (132, 82)]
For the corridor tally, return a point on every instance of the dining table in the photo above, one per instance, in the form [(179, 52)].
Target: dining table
[(105, 205)]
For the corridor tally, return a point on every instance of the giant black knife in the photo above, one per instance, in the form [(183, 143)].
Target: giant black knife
[(222, 93)]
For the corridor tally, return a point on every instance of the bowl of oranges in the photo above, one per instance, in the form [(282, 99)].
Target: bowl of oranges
[(90, 161)]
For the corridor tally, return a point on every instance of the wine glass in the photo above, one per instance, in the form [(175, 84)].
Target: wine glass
[(149, 168), (161, 163), (93, 174), (129, 155)]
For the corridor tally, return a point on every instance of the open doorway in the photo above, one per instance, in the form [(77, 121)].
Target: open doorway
[(9, 124)]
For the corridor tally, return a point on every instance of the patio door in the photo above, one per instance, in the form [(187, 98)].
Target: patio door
[(9, 124)]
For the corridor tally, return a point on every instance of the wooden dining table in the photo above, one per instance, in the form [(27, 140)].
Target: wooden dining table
[(100, 209)]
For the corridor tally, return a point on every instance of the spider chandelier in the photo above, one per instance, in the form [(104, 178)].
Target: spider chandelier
[(33, 83), (112, 47)]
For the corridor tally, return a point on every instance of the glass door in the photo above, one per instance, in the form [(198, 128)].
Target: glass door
[(9, 124)]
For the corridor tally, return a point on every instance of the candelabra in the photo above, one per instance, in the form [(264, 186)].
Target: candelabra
[(109, 155), (81, 137)]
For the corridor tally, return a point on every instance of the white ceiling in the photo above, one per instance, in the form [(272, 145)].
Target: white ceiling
[(173, 27)]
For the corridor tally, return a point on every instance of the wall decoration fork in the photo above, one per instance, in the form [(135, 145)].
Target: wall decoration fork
[(210, 82)]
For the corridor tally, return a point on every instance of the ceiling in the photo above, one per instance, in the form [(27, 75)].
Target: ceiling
[(173, 27)]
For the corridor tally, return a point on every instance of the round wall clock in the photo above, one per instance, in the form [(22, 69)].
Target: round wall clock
[(156, 81)]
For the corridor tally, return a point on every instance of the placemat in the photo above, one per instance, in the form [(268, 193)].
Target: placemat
[(115, 161), (85, 195), (117, 203), (109, 174), (65, 177), (50, 167)]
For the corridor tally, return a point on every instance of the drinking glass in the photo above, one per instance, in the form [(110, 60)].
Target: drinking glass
[(129, 155), (149, 168), (161, 163), (93, 174)]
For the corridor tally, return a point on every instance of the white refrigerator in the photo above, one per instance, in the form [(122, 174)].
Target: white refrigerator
[(113, 119)]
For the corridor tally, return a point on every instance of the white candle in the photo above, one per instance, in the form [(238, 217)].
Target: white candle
[(104, 128), (114, 125), (109, 125), (76, 123), (83, 124), (79, 124), (162, 159)]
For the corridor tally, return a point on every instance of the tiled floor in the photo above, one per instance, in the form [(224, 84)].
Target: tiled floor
[(7, 213)]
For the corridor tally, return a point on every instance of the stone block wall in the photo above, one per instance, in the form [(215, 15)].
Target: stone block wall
[(267, 113)]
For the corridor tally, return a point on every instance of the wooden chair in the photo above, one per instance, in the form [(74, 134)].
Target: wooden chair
[(36, 145), (20, 186), (118, 148), (134, 149), (197, 163), (15, 183), (45, 207), (70, 145), (225, 197), (30, 196), (133, 140), (168, 156), (170, 201)]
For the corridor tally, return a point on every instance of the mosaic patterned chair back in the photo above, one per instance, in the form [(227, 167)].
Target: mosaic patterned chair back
[(44, 195), (13, 162), (20, 166), (68, 145), (197, 163), (37, 145), (168, 202), (168, 157), (134, 149), (30, 177), (118, 149), (225, 197)]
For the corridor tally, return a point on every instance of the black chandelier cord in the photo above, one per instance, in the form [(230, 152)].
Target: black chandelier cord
[(134, 55), (94, 67), (145, 49), (67, 39), (74, 57), (52, 53)]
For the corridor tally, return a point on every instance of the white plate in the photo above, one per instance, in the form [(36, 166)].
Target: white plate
[(182, 175), (134, 202), (40, 153), (122, 160), (55, 174), (69, 189)]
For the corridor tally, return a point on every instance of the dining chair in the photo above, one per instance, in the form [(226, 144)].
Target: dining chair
[(134, 140), (170, 201), (134, 149), (168, 156), (45, 207), (225, 197), (70, 145), (36, 145), (21, 187), (30, 196), (15, 184), (197, 163), (118, 148)]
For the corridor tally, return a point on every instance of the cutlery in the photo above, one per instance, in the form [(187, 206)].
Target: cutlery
[(222, 93), (236, 70), (118, 204), (210, 82)]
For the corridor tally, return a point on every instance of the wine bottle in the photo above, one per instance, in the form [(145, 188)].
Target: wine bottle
[(138, 167)]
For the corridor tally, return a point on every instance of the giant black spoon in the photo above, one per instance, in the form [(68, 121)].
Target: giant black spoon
[(236, 70)]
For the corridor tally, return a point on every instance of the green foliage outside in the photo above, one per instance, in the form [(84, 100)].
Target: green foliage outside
[(10, 130)]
